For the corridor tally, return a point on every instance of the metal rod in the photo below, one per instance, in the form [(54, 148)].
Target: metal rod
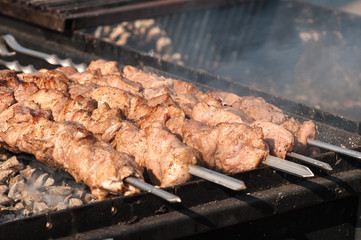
[(345, 151), (153, 190), (311, 161), (217, 178), (15, 65), (50, 58), (288, 167)]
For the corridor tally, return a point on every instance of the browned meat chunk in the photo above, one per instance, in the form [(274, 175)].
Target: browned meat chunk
[(84, 90), (67, 146), (186, 95), (147, 80), (49, 79), (105, 73), (6, 98), (132, 106), (279, 140), (231, 147), (255, 107), (165, 157), (211, 115), (105, 67)]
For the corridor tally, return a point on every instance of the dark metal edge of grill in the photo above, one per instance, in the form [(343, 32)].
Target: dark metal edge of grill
[(67, 16), (122, 215)]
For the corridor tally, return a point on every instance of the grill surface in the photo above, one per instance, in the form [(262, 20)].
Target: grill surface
[(270, 195), (65, 15)]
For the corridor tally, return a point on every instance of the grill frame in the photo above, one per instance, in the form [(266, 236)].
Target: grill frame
[(146, 216), (69, 16)]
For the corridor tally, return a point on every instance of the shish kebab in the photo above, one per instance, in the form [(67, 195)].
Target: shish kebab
[(312, 161), (116, 97), (53, 59), (271, 161), (282, 165), (167, 161)]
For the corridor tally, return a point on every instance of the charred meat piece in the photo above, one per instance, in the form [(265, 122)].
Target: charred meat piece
[(147, 80), (105, 73), (6, 98), (186, 95), (255, 107), (212, 115), (49, 79), (279, 140), (24, 127), (165, 157), (230, 147)]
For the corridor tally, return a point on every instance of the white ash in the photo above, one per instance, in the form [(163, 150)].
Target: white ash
[(28, 187)]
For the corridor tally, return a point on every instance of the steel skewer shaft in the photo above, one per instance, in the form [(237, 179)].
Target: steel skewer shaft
[(311, 161), (50, 58), (345, 151), (153, 190), (288, 166), (15, 65), (216, 177)]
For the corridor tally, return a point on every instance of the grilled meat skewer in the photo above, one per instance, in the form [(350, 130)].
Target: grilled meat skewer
[(125, 101), (26, 128)]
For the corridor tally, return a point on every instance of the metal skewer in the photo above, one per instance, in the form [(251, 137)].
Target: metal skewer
[(217, 178), (345, 151), (153, 190), (50, 58), (15, 65), (311, 161), (288, 167)]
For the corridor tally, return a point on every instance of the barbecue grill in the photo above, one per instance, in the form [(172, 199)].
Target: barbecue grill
[(274, 205)]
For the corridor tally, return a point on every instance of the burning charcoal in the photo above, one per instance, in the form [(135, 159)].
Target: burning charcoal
[(39, 207), (5, 201), (53, 200), (74, 202), (19, 205), (11, 163), (79, 192), (59, 190), (3, 189), (5, 175), (16, 189), (62, 205), (49, 181), (88, 198), (15, 179), (27, 172), (30, 195), (39, 182)]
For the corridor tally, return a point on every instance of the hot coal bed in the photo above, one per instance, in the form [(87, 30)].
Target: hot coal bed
[(275, 205)]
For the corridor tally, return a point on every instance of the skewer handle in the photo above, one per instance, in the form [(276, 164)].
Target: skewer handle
[(50, 58), (15, 65), (151, 189), (345, 151), (216, 177)]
